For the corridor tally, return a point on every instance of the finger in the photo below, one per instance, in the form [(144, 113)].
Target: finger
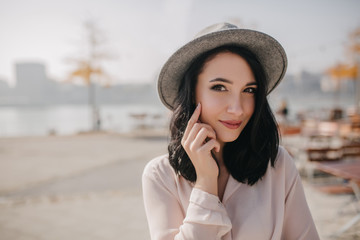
[(192, 133), (210, 145), (201, 137), (211, 132), (210, 129), (193, 119)]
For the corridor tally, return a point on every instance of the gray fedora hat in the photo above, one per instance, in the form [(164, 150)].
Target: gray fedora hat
[(268, 51)]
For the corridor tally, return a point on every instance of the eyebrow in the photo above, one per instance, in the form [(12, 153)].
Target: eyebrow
[(228, 81), (221, 80)]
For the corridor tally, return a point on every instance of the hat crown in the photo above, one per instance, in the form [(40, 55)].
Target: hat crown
[(216, 28)]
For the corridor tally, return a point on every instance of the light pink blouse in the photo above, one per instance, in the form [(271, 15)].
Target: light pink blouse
[(274, 208)]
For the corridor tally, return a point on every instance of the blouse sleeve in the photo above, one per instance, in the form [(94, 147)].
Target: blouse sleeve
[(298, 222), (206, 217)]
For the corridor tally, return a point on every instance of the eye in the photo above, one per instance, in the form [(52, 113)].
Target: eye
[(251, 90), (219, 88)]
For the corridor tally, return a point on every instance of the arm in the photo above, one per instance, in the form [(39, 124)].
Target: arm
[(298, 222), (205, 218), (199, 140)]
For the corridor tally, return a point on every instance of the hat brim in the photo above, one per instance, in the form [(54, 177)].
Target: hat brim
[(268, 51)]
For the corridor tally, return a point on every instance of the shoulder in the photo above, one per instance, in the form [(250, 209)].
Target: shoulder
[(159, 168), (284, 159), (285, 163), (159, 174), (284, 175)]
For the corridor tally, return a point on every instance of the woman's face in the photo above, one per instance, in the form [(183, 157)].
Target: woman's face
[(226, 89)]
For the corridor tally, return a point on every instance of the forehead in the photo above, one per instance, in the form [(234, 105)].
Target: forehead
[(227, 65)]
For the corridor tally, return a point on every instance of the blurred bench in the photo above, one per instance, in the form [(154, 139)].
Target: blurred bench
[(349, 171), (323, 151), (318, 154), (351, 150)]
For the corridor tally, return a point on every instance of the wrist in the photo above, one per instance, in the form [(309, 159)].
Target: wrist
[(207, 185)]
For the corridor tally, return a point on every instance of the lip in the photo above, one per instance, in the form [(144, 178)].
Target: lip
[(231, 124)]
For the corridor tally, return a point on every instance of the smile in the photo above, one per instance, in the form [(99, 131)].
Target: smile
[(231, 124)]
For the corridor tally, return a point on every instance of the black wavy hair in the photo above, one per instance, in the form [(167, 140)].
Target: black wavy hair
[(247, 158)]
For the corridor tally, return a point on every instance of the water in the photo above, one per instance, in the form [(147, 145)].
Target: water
[(314, 105), (72, 119)]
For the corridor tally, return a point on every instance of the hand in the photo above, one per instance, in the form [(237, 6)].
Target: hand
[(198, 141)]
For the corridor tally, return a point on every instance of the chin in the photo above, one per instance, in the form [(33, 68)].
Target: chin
[(227, 139)]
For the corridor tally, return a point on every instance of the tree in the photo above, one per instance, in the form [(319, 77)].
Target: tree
[(88, 69), (350, 70)]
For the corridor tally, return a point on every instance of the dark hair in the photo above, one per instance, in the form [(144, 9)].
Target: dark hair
[(246, 158)]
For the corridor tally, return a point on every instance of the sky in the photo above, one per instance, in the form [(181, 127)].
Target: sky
[(137, 36)]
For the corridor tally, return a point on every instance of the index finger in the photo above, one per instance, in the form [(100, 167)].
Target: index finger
[(193, 119)]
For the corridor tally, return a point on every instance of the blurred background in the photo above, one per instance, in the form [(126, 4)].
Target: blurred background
[(80, 115)]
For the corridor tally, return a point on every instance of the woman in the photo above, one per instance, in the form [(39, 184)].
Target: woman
[(225, 177)]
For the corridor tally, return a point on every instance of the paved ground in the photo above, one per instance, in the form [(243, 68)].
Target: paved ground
[(76, 187), (89, 187)]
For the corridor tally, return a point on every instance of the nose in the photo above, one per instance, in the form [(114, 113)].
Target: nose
[(235, 106)]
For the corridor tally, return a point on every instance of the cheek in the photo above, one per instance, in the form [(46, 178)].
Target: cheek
[(209, 106)]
